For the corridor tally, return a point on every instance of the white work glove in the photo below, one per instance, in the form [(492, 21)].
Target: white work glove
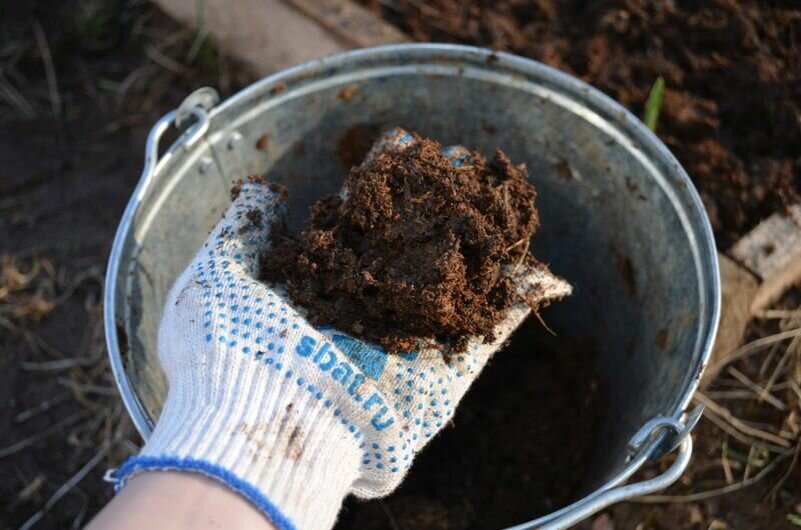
[(292, 417)]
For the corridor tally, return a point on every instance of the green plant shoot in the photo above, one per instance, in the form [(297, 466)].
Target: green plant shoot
[(654, 104)]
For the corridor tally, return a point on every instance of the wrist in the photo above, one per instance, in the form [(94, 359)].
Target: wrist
[(280, 447)]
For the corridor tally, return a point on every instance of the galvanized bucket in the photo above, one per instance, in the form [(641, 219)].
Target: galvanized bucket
[(620, 219)]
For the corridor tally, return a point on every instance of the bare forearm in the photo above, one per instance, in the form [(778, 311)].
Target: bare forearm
[(177, 501)]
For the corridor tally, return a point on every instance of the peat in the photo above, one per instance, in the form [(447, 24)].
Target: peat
[(419, 249)]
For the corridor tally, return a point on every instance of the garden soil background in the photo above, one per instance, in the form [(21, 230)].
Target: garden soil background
[(82, 82)]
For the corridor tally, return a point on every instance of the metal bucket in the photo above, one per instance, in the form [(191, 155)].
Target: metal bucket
[(620, 219)]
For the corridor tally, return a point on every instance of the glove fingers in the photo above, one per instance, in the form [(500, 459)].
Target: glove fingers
[(392, 141), (537, 284), (399, 139), (457, 155), (258, 212)]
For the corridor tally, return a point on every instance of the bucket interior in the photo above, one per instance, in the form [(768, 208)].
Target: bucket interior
[(550, 418)]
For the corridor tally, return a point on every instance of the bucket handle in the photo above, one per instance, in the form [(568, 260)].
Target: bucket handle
[(191, 118), (646, 444)]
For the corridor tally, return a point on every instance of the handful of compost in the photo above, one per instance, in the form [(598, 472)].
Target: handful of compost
[(422, 248), (282, 391)]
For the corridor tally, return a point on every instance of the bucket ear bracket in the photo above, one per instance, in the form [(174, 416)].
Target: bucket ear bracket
[(655, 427), (203, 98), (191, 118)]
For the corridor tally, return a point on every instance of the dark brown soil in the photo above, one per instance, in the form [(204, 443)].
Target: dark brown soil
[(354, 144), (417, 248), (520, 444), (732, 69)]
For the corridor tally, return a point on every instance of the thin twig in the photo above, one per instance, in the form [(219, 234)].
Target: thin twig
[(730, 394), (739, 436), (738, 424), (392, 523), (522, 255), (168, 63), (516, 243), (702, 467), (748, 461), (763, 369), (15, 99), (66, 487), (41, 435), (542, 321), (740, 458), (780, 365), (50, 71), (702, 495), (754, 347), (776, 314), (758, 390), (31, 489), (23, 200), (59, 364), (77, 522), (33, 340), (91, 273), (86, 389), (724, 458), (200, 38), (133, 77), (40, 407), (787, 473), (797, 389)]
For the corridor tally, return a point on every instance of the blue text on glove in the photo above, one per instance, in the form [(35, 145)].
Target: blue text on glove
[(326, 360)]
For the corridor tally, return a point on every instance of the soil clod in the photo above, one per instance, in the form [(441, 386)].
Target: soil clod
[(417, 246)]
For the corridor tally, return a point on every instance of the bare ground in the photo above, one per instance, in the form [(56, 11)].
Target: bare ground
[(80, 85)]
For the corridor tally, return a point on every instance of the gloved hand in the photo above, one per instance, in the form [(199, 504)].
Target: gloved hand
[(292, 417)]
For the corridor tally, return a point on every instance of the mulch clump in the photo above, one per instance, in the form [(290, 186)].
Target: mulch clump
[(732, 70), (417, 250)]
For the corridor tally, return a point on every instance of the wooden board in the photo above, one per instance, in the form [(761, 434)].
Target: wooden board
[(351, 22), (756, 272), (772, 251), (269, 35)]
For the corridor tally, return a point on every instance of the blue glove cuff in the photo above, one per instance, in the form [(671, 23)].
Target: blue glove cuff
[(137, 464)]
